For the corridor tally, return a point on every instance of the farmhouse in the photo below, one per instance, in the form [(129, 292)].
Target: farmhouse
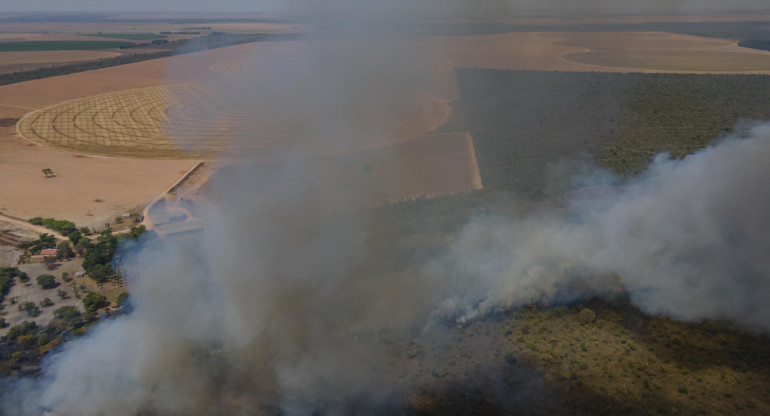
[(48, 252)]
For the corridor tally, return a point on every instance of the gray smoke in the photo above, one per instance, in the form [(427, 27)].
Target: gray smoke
[(277, 306), (689, 239)]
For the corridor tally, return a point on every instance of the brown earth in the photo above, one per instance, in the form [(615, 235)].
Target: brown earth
[(551, 51), (123, 183)]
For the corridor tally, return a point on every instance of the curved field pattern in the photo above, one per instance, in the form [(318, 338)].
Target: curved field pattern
[(198, 121)]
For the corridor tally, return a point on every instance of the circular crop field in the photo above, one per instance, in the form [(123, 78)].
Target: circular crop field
[(205, 120)]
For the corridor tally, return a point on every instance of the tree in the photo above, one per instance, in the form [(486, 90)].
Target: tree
[(24, 328), (30, 308), (93, 301), (46, 302), (46, 281), (67, 313), (64, 251), (101, 273), (50, 262)]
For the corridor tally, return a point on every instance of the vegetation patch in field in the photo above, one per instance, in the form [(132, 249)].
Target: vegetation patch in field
[(61, 45)]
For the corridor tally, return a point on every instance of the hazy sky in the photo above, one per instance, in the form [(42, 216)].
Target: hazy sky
[(531, 6)]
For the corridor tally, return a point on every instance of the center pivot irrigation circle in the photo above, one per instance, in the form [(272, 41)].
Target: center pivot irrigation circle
[(199, 121)]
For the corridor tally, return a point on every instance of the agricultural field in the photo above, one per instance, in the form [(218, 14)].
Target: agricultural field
[(129, 36), (61, 45), (137, 123), (676, 60)]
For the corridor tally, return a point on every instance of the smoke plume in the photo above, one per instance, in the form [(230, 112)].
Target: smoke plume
[(277, 306)]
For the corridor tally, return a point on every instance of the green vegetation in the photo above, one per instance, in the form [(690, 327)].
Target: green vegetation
[(130, 36), (619, 120), (6, 279), (64, 251), (60, 45), (30, 308), (46, 281), (97, 257), (67, 313), (63, 226), (24, 328), (622, 363), (94, 301), (46, 303), (44, 241)]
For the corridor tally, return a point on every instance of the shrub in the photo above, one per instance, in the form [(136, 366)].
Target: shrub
[(67, 313), (93, 301), (46, 302), (587, 315), (46, 281), (23, 328)]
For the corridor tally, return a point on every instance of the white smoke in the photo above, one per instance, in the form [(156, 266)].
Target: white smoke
[(689, 239)]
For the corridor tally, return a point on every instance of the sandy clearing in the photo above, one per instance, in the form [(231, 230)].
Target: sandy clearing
[(103, 187)]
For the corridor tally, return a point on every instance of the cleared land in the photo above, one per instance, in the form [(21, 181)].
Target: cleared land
[(63, 45), (549, 51), (36, 57), (139, 123), (129, 36), (126, 110), (24, 61)]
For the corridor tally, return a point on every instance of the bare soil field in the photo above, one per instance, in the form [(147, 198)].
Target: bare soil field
[(86, 190), (679, 61), (9, 59), (551, 51), (14, 37), (137, 123), (125, 110), (638, 41)]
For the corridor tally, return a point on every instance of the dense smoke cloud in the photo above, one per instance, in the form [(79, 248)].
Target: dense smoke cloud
[(550, 7), (688, 239), (276, 307)]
